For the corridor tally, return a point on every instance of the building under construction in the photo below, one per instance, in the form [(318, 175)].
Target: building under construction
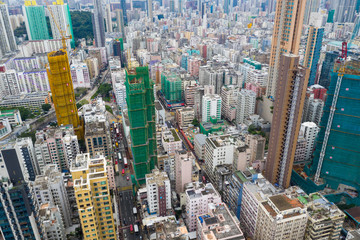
[(62, 91), (141, 111), (341, 166)]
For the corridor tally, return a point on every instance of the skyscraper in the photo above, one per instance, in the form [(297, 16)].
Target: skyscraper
[(61, 14), (123, 8), (327, 67), (93, 198), (286, 36), (150, 10), (108, 19), (312, 53), (35, 21), (289, 103), (120, 23), (141, 110), (7, 39), (341, 164), (98, 24), (345, 10), (62, 90), (311, 6)]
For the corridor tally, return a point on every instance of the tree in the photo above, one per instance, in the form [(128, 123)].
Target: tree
[(46, 107), (30, 134), (21, 31), (82, 25), (108, 108), (195, 122)]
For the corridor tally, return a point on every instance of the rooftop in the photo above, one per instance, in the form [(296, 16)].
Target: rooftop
[(282, 202), (219, 224)]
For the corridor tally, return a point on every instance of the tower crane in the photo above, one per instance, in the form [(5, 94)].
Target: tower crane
[(342, 63), (62, 33)]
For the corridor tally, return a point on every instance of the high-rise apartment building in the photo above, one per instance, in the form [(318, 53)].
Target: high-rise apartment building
[(51, 224), (183, 169), (141, 110), (245, 105), (80, 75), (327, 67), (340, 166), (56, 146), (289, 103), (211, 107), (93, 197), (159, 192), (289, 18), (185, 116), (311, 6), (97, 138), (281, 217), (7, 38), (345, 11), (120, 22), (229, 102), (61, 14), (49, 188), (35, 21), (309, 131), (123, 8), (198, 196), (171, 87), (312, 52), (63, 91), (98, 24)]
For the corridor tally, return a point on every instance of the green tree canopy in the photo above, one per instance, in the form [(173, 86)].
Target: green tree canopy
[(46, 107)]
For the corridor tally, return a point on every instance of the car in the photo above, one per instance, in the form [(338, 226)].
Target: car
[(127, 178), (124, 222), (120, 194), (115, 162)]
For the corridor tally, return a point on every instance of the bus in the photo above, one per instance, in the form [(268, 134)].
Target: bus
[(116, 168), (123, 172), (119, 157), (136, 228), (125, 162), (131, 228), (134, 210)]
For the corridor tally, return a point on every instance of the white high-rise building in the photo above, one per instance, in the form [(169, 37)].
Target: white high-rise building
[(80, 75), (245, 105), (50, 188), (33, 81), (228, 102), (7, 38), (158, 192), (211, 107), (42, 154), (61, 14), (309, 131), (198, 196), (219, 150), (51, 223), (9, 83)]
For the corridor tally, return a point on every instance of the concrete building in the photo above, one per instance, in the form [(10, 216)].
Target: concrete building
[(7, 38), (281, 217), (211, 107), (9, 83), (300, 151), (94, 111), (170, 141), (219, 223), (51, 224), (289, 103), (97, 138), (241, 159), (245, 105), (33, 81), (254, 72), (49, 188), (199, 146), (185, 116), (94, 67), (253, 193), (98, 24), (285, 40), (158, 192), (80, 75), (325, 219), (13, 116), (313, 109), (218, 150), (183, 169), (256, 144), (189, 93), (92, 188), (309, 130), (228, 102), (61, 15), (35, 21), (198, 197), (5, 128), (62, 144)]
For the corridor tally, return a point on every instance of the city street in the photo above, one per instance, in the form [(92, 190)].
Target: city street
[(124, 195)]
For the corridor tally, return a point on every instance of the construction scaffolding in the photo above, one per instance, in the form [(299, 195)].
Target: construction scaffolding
[(341, 163), (171, 87), (141, 110), (62, 91)]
